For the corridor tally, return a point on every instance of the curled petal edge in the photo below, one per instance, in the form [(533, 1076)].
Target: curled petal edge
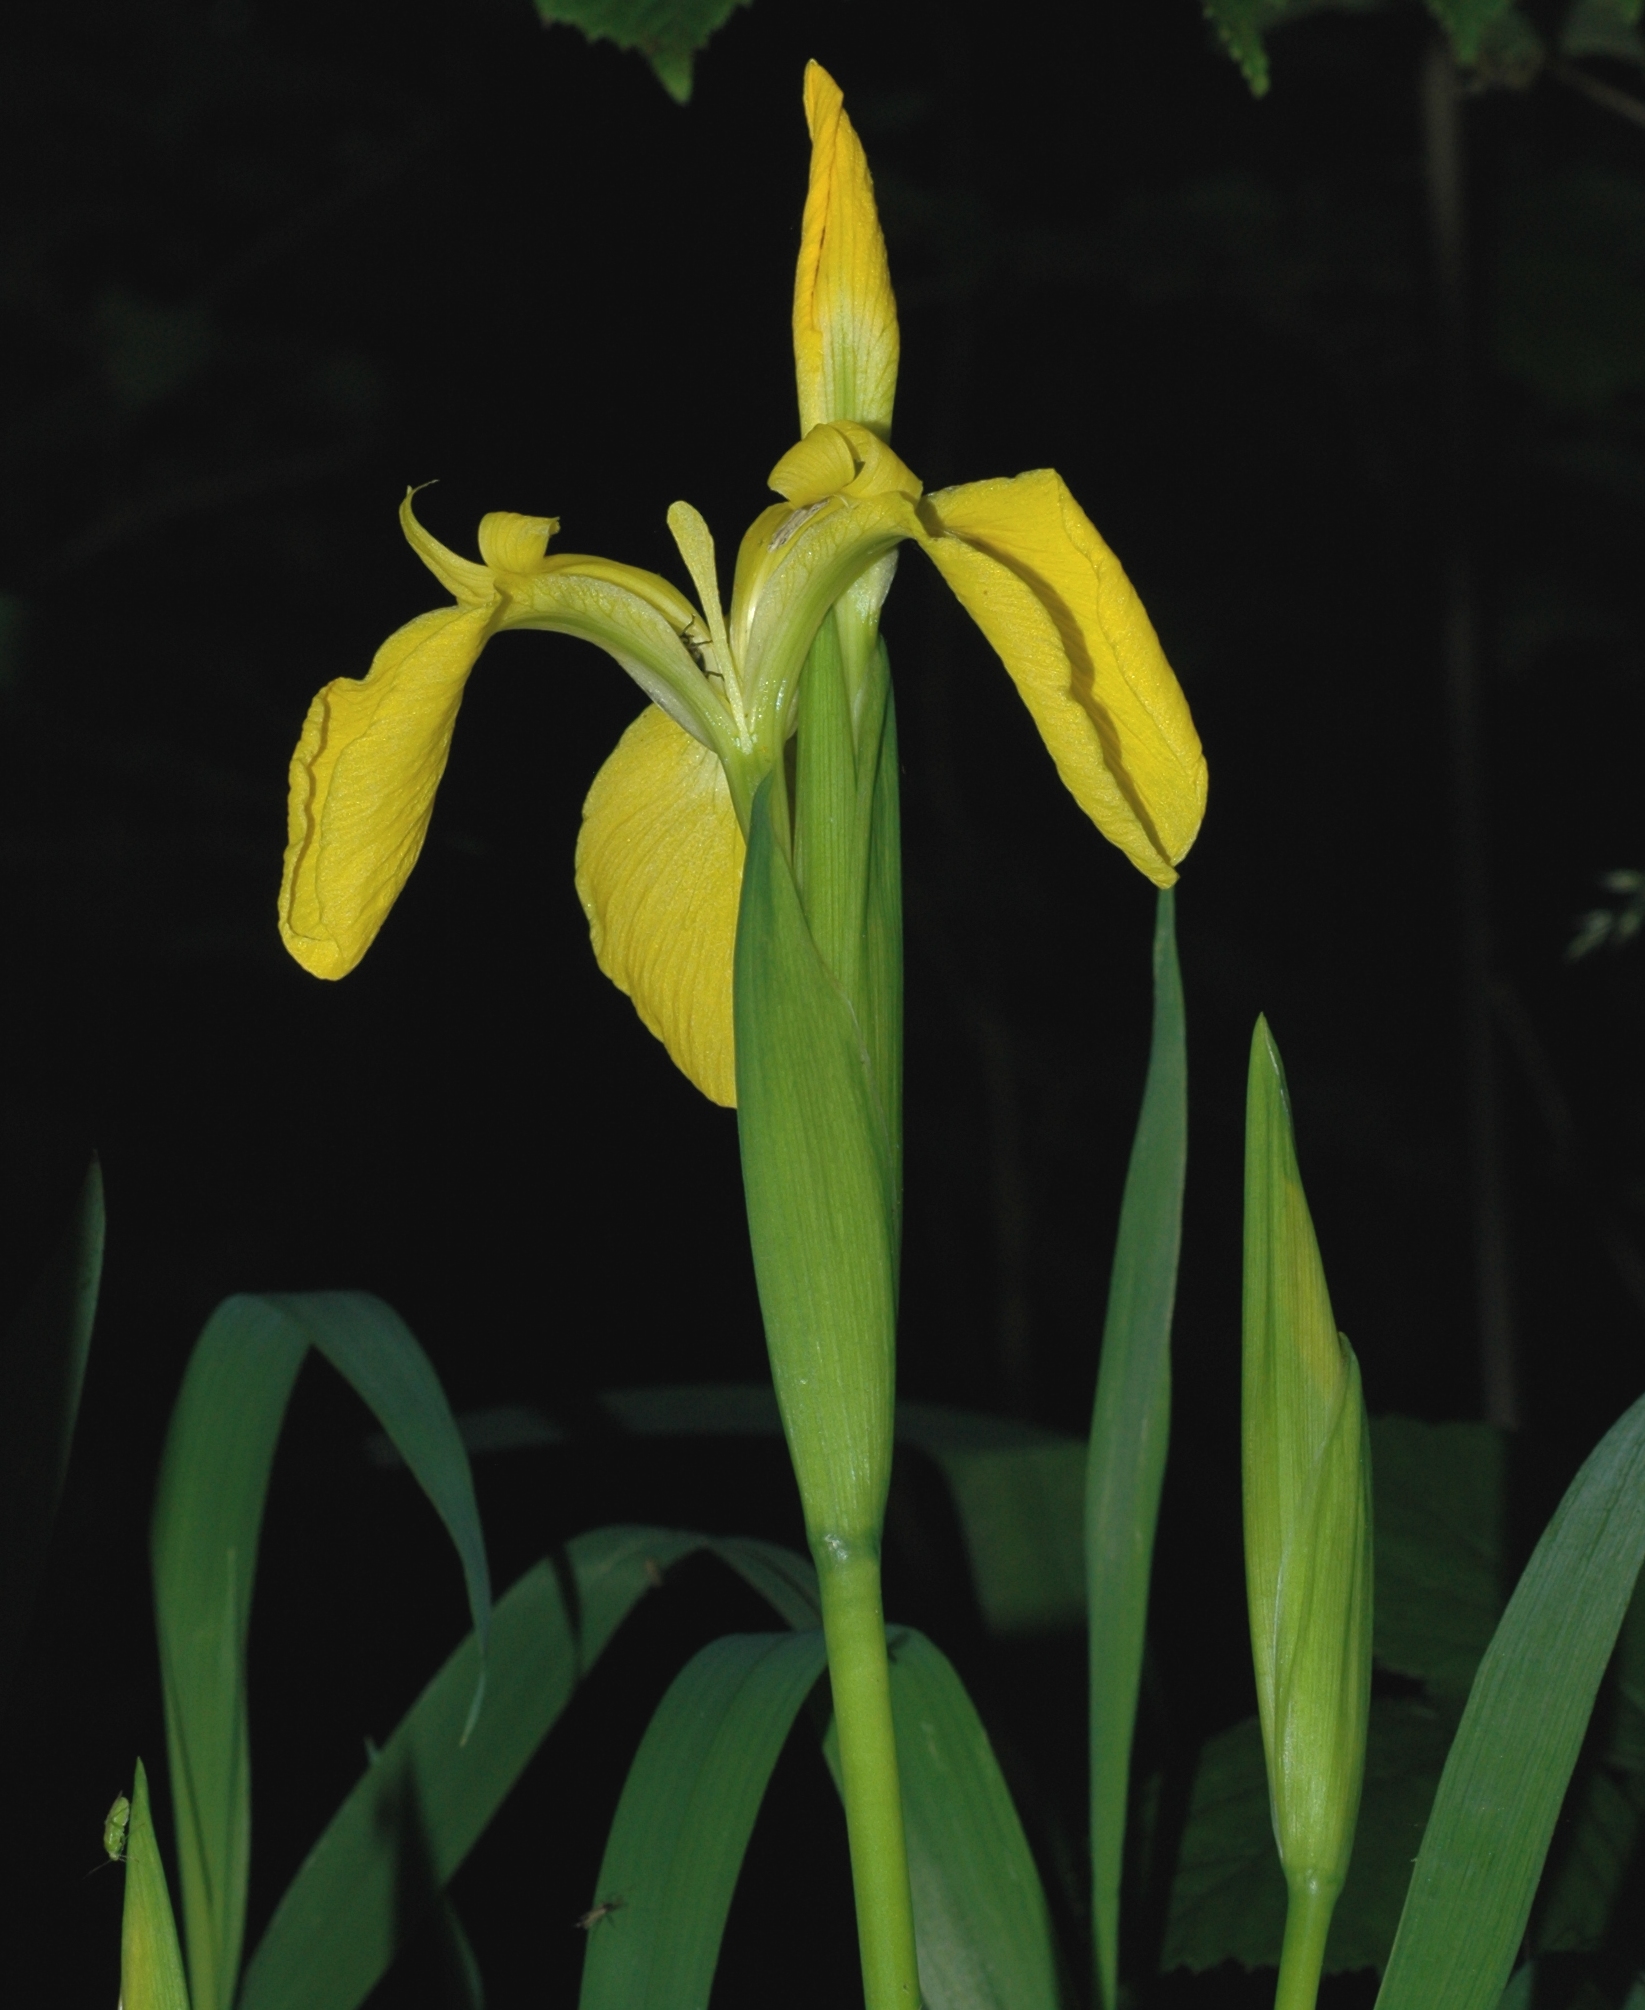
[(363, 782)]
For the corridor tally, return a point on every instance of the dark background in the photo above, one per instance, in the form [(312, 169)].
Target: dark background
[(261, 266)]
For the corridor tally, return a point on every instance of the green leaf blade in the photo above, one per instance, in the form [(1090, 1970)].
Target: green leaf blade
[(1506, 1777), (686, 1813), (151, 1963), (375, 1352), (413, 1818), (208, 1515), (981, 1921), (1130, 1433)]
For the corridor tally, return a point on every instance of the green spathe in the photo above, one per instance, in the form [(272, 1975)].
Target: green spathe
[(1307, 1491)]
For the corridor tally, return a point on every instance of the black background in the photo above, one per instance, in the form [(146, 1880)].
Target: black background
[(264, 265)]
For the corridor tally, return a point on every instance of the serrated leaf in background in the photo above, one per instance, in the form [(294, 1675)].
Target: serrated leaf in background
[(1240, 23), (1228, 1897), (1465, 22), (1594, 1849), (1604, 28), (1439, 1547), (667, 33)]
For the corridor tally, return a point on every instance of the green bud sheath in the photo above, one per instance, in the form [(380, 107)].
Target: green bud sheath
[(1307, 1487)]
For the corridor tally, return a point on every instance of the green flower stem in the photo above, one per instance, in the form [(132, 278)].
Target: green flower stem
[(1307, 1922), (854, 1627)]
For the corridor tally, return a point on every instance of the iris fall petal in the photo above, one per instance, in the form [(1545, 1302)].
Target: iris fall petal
[(363, 781), (1054, 601), (659, 874)]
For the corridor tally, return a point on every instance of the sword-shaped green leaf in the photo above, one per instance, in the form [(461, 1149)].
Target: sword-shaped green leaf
[(686, 1813), (151, 1964), (207, 1518), (1130, 1430), (406, 1828), (1509, 1767)]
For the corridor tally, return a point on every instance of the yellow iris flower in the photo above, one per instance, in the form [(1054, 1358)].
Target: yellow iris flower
[(659, 858)]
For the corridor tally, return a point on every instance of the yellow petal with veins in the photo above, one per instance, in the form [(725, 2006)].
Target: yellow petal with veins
[(1031, 570), (659, 873), (845, 316), (363, 779)]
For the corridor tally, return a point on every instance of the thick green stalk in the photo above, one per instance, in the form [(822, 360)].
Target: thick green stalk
[(1307, 1922), (854, 1627)]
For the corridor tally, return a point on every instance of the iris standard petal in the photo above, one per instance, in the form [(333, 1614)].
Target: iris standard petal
[(845, 316), (1031, 570), (363, 779), (659, 874)]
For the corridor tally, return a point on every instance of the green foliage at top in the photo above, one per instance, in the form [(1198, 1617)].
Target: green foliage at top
[(1491, 37), (667, 33), (1465, 22)]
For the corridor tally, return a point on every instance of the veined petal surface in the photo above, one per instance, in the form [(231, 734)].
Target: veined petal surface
[(659, 874), (845, 315), (1031, 570), (363, 781)]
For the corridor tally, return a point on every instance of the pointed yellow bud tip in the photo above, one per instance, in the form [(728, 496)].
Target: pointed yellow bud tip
[(845, 315)]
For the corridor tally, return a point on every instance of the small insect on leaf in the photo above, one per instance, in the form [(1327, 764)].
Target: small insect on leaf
[(114, 1829), (598, 1913), (653, 1573)]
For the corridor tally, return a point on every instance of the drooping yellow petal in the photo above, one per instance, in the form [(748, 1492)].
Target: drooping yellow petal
[(1031, 570), (659, 874), (845, 316), (363, 779)]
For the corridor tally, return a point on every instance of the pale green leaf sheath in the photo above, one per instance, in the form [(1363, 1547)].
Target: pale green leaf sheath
[(1307, 1487)]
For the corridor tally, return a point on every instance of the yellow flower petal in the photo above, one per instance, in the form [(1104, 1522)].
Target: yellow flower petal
[(659, 873), (1030, 569), (363, 779), (845, 317)]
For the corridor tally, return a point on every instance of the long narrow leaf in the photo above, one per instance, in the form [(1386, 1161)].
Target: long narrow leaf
[(42, 1370), (1130, 1429), (373, 1349), (1507, 1773), (685, 1817), (151, 1963), (415, 1815), (207, 1518), (980, 1917)]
